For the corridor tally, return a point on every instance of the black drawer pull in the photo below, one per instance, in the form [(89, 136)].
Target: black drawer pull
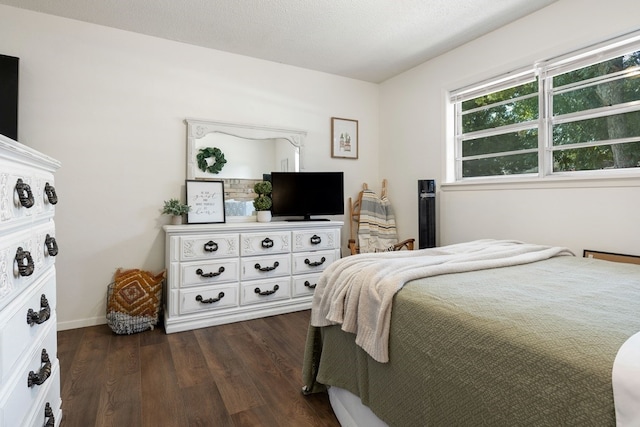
[(309, 285), (25, 262), (199, 272), (41, 316), (210, 246), (259, 292), (315, 239), (50, 421), (44, 373), (314, 264), (275, 265), (52, 245), (50, 191), (210, 300), (267, 243), (24, 194)]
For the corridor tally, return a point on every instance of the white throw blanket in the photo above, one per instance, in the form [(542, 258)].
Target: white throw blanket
[(357, 291)]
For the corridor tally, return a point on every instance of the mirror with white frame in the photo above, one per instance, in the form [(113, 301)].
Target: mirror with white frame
[(249, 150)]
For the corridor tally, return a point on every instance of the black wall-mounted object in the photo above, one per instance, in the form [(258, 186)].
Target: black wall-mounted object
[(426, 213), (9, 96)]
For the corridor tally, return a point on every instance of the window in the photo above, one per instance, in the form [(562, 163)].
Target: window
[(565, 116)]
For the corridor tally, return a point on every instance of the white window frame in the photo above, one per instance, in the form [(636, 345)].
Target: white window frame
[(544, 71)]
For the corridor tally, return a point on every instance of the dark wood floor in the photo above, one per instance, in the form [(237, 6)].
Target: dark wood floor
[(241, 374)]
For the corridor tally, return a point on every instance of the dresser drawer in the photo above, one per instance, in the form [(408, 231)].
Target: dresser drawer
[(309, 262), (21, 330), (261, 267), (304, 285), (19, 189), (271, 242), (261, 291), (23, 258), (202, 273), (207, 246), (307, 240), (20, 397), (210, 298), (40, 415)]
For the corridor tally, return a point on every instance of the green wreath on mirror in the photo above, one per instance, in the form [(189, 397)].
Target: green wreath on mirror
[(209, 152)]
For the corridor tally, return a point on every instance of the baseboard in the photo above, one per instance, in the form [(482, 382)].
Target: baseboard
[(81, 323)]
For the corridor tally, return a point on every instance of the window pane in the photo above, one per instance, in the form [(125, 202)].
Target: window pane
[(503, 95), (501, 115), (596, 158), (610, 93), (598, 70), (625, 125), (512, 141), (501, 165)]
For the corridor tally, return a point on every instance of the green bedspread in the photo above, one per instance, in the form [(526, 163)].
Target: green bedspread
[(530, 345)]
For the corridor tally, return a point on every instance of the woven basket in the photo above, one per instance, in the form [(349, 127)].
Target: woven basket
[(134, 301)]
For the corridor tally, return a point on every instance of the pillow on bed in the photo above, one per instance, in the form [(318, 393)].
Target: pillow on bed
[(134, 300)]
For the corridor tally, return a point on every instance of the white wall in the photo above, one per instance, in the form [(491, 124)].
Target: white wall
[(110, 106), (601, 215)]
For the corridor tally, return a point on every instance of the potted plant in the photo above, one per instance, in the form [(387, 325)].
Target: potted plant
[(262, 203), (176, 209)]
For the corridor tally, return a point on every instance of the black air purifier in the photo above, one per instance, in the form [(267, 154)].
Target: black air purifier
[(9, 96), (426, 213)]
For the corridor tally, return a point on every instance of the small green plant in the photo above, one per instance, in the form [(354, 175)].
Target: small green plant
[(263, 201), (175, 208)]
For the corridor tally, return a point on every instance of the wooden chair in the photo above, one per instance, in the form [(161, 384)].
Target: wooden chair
[(355, 208)]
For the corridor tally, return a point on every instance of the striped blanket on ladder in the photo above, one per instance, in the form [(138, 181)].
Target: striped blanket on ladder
[(377, 227)]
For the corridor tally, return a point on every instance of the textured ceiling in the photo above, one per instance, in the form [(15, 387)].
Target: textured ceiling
[(370, 40)]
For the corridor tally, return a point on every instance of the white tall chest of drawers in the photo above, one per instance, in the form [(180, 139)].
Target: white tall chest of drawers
[(29, 368), (223, 273)]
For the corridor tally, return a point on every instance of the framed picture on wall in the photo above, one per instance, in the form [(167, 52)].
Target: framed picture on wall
[(206, 199), (344, 138)]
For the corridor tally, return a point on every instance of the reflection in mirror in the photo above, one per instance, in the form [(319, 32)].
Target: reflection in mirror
[(250, 151), (250, 158)]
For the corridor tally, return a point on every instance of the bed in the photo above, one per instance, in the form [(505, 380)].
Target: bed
[(478, 340)]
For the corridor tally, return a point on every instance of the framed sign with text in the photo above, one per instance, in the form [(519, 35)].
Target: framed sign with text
[(206, 199)]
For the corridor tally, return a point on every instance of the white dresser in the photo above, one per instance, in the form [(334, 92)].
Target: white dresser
[(223, 273), (29, 368)]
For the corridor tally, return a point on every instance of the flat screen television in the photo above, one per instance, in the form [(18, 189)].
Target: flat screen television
[(9, 96), (307, 194)]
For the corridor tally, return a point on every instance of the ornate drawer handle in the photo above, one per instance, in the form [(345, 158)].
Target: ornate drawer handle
[(43, 374), (314, 264), (275, 265), (210, 246), (315, 239), (52, 245), (212, 274), (259, 292), (21, 257), (210, 300), (50, 421), (309, 285), (50, 191), (41, 316), (267, 243), (24, 194)]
